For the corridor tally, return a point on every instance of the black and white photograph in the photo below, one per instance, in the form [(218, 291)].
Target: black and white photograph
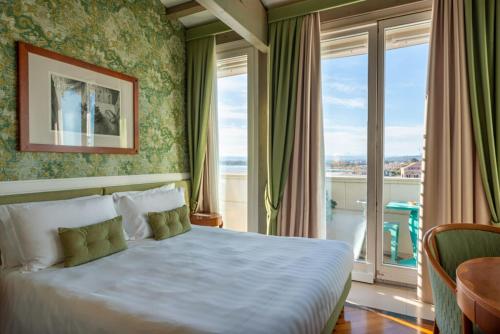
[(77, 106), (106, 111), (67, 105)]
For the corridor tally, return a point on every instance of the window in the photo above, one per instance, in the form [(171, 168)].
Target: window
[(345, 117), (237, 122), (232, 109), (405, 59)]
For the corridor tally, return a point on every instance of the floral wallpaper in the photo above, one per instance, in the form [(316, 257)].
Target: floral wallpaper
[(129, 36)]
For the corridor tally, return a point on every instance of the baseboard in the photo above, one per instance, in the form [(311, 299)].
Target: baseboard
[(33, 186), (362, 277)]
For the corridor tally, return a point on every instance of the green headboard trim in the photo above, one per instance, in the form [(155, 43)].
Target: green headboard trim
[(49, 196), (74, 193), (133, 187)]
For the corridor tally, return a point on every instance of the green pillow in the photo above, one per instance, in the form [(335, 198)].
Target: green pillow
[(88, 243), (167, 224)]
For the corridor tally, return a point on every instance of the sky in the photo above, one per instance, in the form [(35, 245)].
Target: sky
[(345, 103), (345, 109), (232, 116)]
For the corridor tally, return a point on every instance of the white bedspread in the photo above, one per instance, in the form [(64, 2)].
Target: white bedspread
[(205, 281)]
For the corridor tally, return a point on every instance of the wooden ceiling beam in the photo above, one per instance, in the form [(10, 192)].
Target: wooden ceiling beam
[(184, 9), (305, 7), (246, 17), (205, 30)]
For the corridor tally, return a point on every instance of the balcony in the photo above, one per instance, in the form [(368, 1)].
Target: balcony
[(233, 200), (347, 220)]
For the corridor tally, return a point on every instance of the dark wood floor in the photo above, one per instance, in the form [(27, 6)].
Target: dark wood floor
[(362, 320)]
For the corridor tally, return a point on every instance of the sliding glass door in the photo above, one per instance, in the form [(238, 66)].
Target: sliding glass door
[(346, 78), (403, 60), (374, 82), (236, 121), (232, 102)]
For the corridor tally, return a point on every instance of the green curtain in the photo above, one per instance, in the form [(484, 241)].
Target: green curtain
[(482, 30), (201, 71), (284, 43)]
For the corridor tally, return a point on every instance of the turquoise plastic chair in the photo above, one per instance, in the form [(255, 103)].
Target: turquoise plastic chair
[(447, 246), (393, 230), (413, 209)]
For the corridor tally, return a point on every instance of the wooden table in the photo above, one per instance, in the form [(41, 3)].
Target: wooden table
[(207, 219), (478, 294)]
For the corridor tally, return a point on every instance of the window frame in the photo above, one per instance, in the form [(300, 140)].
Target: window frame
[(384, 271), (374, 23), (237, 49), (364, 271)]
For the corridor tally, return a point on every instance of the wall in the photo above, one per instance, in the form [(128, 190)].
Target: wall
[(133, 37)]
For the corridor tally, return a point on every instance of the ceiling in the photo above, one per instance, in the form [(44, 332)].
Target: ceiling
[(276, 3), (206, 17), (193, 19)]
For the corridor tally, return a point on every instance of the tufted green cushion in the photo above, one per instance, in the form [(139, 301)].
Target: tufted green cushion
[(88, 243), (167, 224)]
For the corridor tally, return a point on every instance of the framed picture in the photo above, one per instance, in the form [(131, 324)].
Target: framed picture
[(67, 105)]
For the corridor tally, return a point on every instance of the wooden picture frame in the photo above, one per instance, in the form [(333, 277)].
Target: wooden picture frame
[(68, 94)]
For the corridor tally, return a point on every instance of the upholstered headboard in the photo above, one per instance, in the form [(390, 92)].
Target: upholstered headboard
[(74, 193)]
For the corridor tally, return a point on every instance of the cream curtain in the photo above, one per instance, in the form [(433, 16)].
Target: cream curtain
[(452, 188), (302, 209)]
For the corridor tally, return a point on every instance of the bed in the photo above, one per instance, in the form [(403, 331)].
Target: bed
[(205, 281)]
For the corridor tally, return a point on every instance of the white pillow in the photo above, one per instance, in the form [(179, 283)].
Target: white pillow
[(9, 249), (117, 195), (134, 209), (36, 227)]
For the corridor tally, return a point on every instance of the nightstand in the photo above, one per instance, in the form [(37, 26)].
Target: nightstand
[(207, 219)]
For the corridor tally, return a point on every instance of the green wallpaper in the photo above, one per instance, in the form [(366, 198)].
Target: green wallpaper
[(129, 36)]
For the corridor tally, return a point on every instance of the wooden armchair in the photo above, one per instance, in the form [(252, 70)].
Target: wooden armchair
[(447, 246)]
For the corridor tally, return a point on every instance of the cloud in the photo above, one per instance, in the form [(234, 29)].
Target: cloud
[(233, 85), (354, 102), (343, 86), (227, 113), (404, 140), (339, 141), (352, 140), (233, 141), (345, 140)]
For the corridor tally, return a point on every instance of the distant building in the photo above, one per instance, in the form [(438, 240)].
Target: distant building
[(412, 170)]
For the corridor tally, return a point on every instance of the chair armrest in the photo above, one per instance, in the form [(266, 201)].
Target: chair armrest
[(447, 312)]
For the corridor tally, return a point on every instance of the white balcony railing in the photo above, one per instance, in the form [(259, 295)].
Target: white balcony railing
[(348, 192)]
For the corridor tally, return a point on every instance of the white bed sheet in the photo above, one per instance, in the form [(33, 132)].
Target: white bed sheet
[(205, 281)]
